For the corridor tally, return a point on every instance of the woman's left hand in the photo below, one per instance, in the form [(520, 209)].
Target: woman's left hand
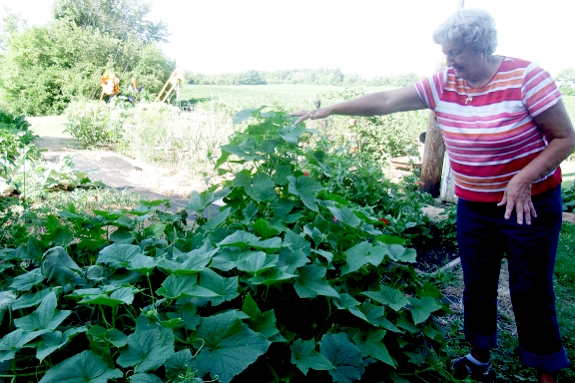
[(517, 196)]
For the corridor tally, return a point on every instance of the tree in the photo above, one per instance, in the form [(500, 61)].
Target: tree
[(44, 68), (118, 18)]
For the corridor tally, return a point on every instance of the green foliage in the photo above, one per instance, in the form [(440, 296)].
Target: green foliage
[(95, 124), (565, 79), (45, 68), (119, 18), (569, 199), (15, 139), (381, 137), (141, 292)]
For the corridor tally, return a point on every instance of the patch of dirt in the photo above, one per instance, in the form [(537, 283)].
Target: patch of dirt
[(121, 172)]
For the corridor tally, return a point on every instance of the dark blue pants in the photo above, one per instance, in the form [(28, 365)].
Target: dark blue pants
[(484, 236)]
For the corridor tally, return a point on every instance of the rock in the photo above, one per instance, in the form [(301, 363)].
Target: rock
[(569, 217), (435, 214)]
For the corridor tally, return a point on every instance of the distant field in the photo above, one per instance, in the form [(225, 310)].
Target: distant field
[(290, 97)]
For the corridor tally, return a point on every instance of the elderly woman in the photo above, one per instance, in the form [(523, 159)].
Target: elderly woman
[(506, 132)]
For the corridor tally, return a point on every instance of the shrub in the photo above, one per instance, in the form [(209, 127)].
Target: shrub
[(95, 124)]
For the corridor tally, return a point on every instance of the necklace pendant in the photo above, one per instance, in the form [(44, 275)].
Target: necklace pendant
[(468, 99)]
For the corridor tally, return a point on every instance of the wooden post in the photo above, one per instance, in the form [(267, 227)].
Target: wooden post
[(432, 161), (434, 150)]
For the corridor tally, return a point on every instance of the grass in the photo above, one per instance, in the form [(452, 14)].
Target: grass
[(290, 97), (505, 358), (48, 126)]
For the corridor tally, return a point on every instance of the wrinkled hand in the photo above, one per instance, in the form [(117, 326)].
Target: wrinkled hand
[(517, 196), (310, 114)]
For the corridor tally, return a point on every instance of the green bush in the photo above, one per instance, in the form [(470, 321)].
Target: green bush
[(95, 124), (15, 138)]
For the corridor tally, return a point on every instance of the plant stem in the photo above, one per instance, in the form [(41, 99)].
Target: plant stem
[(14, 376), (151, 292), (104, 317)]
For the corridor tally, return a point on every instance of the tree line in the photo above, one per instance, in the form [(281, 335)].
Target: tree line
[(321, 76)]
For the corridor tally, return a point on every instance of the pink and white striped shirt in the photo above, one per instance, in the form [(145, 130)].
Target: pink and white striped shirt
[(493, 137)]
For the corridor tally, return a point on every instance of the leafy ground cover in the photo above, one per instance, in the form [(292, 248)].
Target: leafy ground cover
[(293, 280)]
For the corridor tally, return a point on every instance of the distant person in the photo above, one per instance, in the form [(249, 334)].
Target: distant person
[(506, 132)]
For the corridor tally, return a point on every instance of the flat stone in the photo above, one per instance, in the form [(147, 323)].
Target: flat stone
[(435, 214), (569, 217)]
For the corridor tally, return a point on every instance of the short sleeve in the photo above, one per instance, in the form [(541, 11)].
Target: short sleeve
[(538, 90), (430, 89)]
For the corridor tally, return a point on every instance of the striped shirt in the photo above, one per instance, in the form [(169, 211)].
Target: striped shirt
[(493, 137)]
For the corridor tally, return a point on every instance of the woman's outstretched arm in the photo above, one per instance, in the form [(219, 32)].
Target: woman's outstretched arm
[(398, 100)]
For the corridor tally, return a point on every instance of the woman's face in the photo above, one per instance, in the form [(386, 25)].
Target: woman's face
[(463, 60)]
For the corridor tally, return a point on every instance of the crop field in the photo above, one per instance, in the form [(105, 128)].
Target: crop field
[(290, 97)]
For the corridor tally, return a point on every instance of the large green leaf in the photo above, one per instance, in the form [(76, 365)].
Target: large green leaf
[(400, 254), (179, 363), (30, 299), (184, 286), (26, 281), (143, 264), (188, 315), (311, 282), (344, 355), (376, 316), (119, 255), (85, 367), (148, 347), (230, 346), (7, 299), (187, 266), (58, 265), (260, 188), (271, 276), (292, 260), (256, 262), (306, 189), (370, 343), (304, 356), (46, 317), (347, 302), (215, 222), (124, 295), (388, 296), (290, 134), (198, 202), (239, 238), (422, 308), (263, 228), (263, 323), (52, 341), (12, 342), (226, 288), (345, 215), (362, 254)]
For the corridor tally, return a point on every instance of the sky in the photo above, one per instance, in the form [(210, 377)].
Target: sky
[(365, 37)]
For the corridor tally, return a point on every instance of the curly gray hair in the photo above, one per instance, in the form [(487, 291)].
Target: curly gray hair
[(474, 28)]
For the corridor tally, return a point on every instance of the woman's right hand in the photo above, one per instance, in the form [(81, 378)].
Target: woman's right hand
[(311, 115)]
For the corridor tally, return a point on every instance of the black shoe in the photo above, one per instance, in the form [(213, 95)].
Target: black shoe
[(463, 367)]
